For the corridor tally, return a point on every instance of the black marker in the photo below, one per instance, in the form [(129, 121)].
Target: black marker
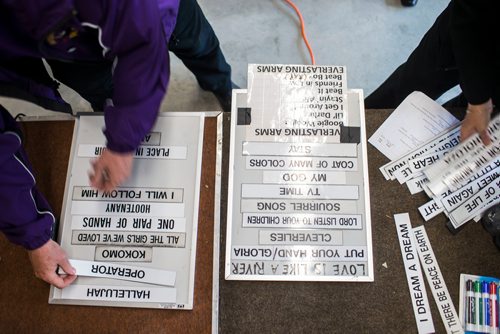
[(470, 307)]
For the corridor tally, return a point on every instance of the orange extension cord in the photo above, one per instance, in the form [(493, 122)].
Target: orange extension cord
[(303, 30)]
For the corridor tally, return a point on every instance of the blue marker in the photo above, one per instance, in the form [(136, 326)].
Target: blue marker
[(485, 289)]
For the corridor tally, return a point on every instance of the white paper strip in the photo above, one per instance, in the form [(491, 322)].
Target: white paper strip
[(123, 254), (482, 200), (120, 293), (430, 210), (416, 185), (453, 200), (118, 238), (301, 163), (300, 237), (124, 272), (300, 253), (415, 167), (299, 206), (138, 224), (136, 194), (304, 177), (299, 191), (128, 209), (333, 221), (146, 152), (414, 276), (443, 141), (436, 282), (300, 149)]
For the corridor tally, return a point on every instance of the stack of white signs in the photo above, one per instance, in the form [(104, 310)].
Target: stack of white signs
[(461, 178), (134, 246), (298, 202)]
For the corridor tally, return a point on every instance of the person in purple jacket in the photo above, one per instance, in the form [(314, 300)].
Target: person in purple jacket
[(115, 55)]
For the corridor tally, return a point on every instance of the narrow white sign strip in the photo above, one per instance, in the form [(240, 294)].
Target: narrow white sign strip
[(300, 253), (475, 205), (443, 141), (123, 254), (415, 167), (300, 237), (162, 195), (118, 238), (301, 163), (430, 210), (299, 206), (495, 163), (415, 185), (453, 200), (120, 293), (299, 191), (303, 177), (436, 282), (298, 220), (146, 152), (138, 224), (124, 272), (414, 276), (300, 149), (128, 209)]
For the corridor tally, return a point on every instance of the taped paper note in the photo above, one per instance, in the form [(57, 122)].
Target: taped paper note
[(416, 120)]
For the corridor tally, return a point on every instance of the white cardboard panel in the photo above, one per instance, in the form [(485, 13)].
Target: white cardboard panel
[(150, 221), (274, 155)]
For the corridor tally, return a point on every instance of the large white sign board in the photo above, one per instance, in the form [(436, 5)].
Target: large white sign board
[(134, 246), (298, 201)]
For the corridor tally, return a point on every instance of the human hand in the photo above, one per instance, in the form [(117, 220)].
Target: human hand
[(110, 170), (477, 119), (45, 260)]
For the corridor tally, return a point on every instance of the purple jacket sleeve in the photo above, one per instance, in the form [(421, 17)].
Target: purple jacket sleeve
[(133, 33), (25, 216), (474, 32)]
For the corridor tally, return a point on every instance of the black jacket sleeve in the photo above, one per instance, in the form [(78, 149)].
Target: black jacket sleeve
[(475, 39)]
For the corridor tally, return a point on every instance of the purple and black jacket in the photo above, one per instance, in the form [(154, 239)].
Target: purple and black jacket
[(133, 34)]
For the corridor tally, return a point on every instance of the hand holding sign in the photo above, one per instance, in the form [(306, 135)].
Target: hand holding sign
[(476, 120), (45, 261)]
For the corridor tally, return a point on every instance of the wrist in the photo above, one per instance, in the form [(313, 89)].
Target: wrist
[(484, 108)]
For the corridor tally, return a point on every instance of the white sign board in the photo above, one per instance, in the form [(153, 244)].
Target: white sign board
[(298, 197), (134, 246)]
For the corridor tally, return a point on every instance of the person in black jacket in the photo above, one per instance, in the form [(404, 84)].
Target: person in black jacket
[(462, 47)]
